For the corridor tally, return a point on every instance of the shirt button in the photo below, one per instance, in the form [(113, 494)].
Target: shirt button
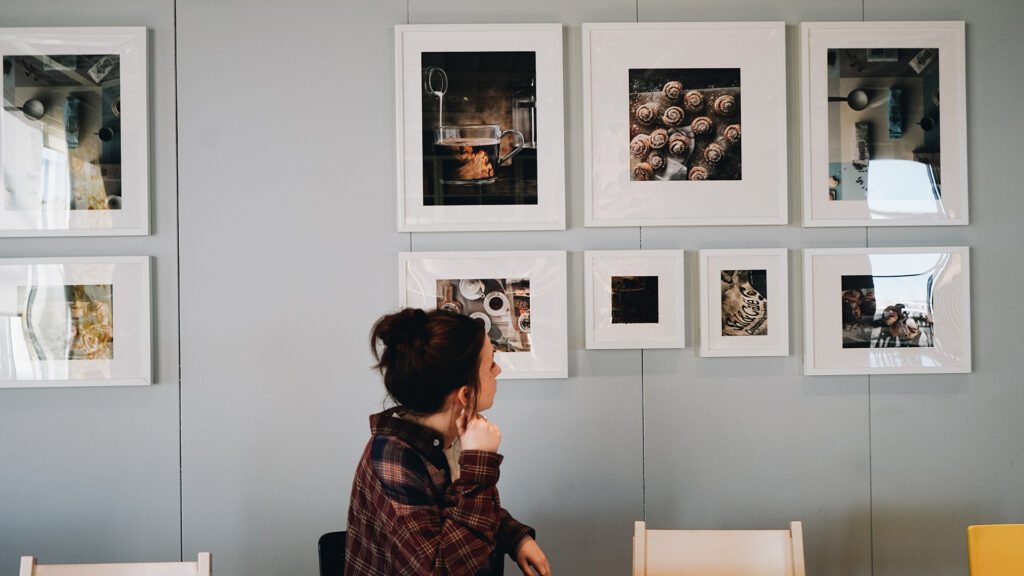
[(437, 442)]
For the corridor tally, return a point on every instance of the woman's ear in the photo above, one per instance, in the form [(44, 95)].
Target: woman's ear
[(462, 397)]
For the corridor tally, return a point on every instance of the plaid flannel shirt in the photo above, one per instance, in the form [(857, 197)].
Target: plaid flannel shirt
[(407, 517)]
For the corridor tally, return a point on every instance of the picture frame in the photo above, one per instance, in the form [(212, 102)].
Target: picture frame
[(744, 302), (668, 111), (873, 129), (466, 95), (887, 310), (74, 132), (75, 322), (634, 299), (519, 296)]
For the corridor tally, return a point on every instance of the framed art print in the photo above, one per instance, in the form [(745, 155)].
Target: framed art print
[(880, 147), (634, 299), (518, 297), (74, 322), (480, 128), (74, 144), (684, 124), (744, 302), (887, 310)]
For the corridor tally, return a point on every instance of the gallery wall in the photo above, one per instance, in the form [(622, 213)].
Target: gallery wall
[(275, 248)]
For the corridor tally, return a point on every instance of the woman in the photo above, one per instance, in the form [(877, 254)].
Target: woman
[(424, 499)]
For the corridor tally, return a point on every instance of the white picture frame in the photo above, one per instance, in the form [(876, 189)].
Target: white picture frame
[(741, 60), (505, 75), (91, 180), (878, 149), (75, 322), (634, 299), (887, 310), (519, 296), (744, 302)]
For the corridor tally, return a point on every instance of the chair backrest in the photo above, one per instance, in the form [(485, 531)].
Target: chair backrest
[(995, 549), (331, 548), (718, 552), (201, 567)]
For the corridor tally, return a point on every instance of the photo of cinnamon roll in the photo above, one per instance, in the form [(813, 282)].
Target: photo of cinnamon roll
[(640, 145), (699, 173), (678, 144), (693, 101), (673, 116), (701, 125), (646, 113), (643, 171), (656, 160), (673, 90), (659, 138), (714, 153), (732, 133), (725, 105)]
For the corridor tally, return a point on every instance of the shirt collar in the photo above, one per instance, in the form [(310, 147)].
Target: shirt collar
[(419, 437)]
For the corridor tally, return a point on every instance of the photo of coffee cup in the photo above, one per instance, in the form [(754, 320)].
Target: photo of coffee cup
[(471, 289), (468, 154), (496, 303), (483, 319)]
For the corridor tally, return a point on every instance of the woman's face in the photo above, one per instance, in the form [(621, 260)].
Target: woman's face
[(489, 370)]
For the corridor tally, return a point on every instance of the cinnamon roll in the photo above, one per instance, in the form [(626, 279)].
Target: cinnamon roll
[(640, 145), (672, 116), (732, 133), (643, 171), (673, 90), (693, 101), (725, 104), (659, 138), (656, 160), (699, 173), (714, 153), (678, 144), (647, 113), (701, 125)]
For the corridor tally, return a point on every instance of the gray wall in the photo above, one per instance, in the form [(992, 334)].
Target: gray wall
[(274, 215)]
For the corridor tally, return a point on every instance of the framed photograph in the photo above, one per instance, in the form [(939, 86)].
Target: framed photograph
[(480, 128), (74, 322), (878, 149), (519, 297), (684, 124), (634, 299), (744, 302), (74, 144), (887, 310)]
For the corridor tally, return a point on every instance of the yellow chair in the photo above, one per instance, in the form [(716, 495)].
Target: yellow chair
[(718, 552), (199, 568), (995, 549)]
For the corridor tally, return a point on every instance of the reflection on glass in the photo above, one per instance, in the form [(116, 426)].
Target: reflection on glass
[(61, 130), (884, 131)]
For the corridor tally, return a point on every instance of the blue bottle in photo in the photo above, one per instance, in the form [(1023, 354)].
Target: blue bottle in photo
[(71, 121)]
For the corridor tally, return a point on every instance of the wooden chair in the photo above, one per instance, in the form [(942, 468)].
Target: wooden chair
[(995, 549), (718, 552), (199, 568)]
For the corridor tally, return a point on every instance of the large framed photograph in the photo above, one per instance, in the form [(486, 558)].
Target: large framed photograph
[(74, 322), (74, 144), (634, 299), (480, 128), (744, 302), (878, 148), (887, 310), (684, 124), (519, 297)]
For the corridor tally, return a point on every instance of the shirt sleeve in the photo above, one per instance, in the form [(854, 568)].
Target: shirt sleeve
[(511, 532), (449, 534)]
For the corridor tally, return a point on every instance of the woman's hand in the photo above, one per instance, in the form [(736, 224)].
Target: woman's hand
[(530, 556), (477, 433)]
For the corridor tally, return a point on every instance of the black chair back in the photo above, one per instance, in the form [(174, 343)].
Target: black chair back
[(331, 548)]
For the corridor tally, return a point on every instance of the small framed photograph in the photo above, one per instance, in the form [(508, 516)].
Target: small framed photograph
[(744, 302), (74, 144), (519, 297), (634, 299), (878, 148), (74, 322), (887, 310), (684, 124), (480, 128)]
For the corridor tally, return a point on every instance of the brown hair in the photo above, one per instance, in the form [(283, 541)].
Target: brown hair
[(424, 356)]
